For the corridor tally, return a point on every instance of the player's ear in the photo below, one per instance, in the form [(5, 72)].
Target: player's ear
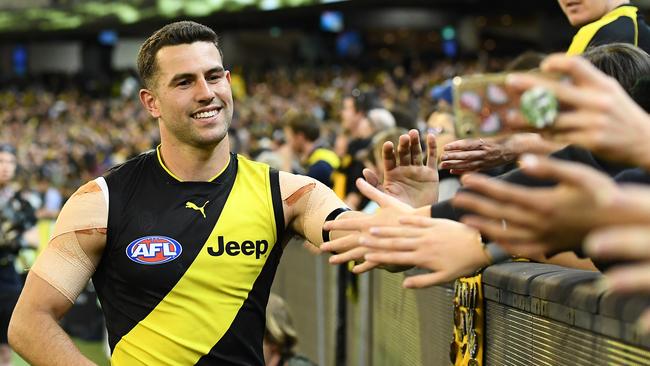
[(150, 102)]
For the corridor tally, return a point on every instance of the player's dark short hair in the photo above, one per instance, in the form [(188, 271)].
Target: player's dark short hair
[(183, 32)]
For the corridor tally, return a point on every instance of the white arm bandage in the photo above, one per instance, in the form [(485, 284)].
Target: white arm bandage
[(71, 256), (311, 201)]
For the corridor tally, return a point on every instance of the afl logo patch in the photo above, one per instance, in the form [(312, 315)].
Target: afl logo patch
[(153, 250)]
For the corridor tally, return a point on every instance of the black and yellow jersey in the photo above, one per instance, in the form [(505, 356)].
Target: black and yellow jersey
[(623, 24), (188, 266), (321, 163)]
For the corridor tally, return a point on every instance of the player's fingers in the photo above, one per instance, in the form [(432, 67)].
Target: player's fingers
[(350, 255)]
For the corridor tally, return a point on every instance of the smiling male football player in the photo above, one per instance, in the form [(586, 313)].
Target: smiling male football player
[(182, 243)]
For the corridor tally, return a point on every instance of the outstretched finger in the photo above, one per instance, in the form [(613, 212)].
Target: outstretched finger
[(341, 244), (497, 231), (466, 165), (465, 145), (352, 224), (575, 174), (460, 171), (419, 221), (496, 209), (374, 194), (394, 232), (619, 243), (404, 150), (350, 255), (463, 155), (568, 94), (629, 278), (394, 244), (499, 190), (364, 267), (397, 257), (388, 152), (371, 177), (432, 152), (427, 280), (416, 148)]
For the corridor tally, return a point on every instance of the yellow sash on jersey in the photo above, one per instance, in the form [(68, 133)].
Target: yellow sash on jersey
[(586, 33)]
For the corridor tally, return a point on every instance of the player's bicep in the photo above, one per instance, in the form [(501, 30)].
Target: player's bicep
[(308, 204), (38, 295), (77, 244)]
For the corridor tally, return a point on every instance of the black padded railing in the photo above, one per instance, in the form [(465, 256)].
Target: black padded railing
[(559, 317)]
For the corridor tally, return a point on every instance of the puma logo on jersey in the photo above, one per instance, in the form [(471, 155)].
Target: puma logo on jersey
[(232, 248), (194, 207)]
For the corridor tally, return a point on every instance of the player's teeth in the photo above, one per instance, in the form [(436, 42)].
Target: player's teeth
[(205, 114)]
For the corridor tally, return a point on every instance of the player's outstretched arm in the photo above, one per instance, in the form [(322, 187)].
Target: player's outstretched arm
[(56, 279)]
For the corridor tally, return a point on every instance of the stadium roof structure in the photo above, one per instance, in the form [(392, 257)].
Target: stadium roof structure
[(52, 15)]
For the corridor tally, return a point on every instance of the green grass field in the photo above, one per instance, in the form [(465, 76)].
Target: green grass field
[(92, 350)]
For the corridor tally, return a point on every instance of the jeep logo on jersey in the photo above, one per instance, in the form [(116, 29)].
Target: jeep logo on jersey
[(247, 247), (153, 250)]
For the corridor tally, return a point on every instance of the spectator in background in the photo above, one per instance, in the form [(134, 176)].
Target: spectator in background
[(441, 124), (605, 21), (281, 338), (381, 119), (50, 199), (16, 217), (302, 134), (358, 131)]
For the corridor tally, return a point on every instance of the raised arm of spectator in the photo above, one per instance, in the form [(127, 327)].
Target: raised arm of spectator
[(408, 176), (550, 219), (470, 155)]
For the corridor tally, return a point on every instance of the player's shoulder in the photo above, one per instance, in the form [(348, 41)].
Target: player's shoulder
[(134, 163)]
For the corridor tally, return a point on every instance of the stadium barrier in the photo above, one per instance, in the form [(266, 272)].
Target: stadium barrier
[(536, 314)]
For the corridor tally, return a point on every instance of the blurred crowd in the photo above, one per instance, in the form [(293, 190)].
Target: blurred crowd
[(67, 137)]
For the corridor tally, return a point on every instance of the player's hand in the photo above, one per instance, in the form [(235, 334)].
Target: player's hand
[(347, 247)]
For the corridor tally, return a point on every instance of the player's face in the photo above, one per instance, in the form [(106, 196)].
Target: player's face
[(581, 12), (7, 167), (192, 97)]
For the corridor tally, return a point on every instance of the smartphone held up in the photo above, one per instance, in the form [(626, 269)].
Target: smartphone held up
[(485, 106)]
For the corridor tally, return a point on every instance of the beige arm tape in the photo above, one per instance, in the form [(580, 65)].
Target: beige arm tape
[(77, 243), (310, 201)]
